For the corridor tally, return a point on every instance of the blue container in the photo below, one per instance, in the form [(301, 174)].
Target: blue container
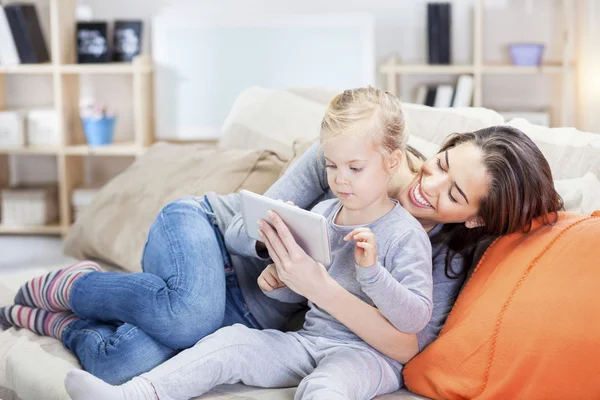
[(526, 54), (99, 132)]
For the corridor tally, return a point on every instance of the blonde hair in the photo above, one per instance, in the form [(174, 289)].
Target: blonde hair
[(366, 111)]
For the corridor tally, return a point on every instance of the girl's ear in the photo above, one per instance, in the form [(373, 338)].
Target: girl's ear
[(394, 160)]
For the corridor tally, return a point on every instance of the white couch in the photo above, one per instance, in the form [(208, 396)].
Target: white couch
[(32, 367)]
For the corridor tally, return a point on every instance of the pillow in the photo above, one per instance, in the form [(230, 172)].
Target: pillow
[(571, 153), (525, 325), (433, 125), (272, 120), (114, 227), (581, 195)]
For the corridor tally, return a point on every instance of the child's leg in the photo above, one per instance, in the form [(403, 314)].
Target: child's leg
[(233, 354), (348, 373)]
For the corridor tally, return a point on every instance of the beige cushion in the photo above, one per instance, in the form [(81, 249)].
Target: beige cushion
[(114, 227), (271, 119)]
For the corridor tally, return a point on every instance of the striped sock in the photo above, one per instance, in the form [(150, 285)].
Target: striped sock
[(50, 292), (37, 320)]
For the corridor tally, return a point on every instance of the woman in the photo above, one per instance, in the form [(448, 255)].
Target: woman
[(490, 182)]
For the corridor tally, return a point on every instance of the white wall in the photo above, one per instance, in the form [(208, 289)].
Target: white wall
[(400, 30)]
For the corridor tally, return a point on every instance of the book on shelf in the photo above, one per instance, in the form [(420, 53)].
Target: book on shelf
[(439, 22), (8, 50), (445, 95), (27, 33), (463, 95)]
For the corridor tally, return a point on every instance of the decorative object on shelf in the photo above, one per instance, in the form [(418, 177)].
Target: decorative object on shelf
[(439, 23), (92, 42), (29, 206), (27, 33), (12, 129), (526, 54), (98, 125), (42, 127), (8, 49), (127, 40)]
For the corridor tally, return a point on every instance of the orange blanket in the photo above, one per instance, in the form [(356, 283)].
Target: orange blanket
[(527, 324)]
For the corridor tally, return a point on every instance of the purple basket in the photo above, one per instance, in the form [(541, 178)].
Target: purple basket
[(526, 54)]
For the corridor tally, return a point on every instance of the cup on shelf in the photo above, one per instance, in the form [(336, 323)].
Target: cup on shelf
[(99, 131), (526, 54)]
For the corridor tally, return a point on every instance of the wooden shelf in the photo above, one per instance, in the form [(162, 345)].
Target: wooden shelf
[(559, 68), (105, 68), (28, 69), (31, 230), (49, 150), (64, 73), (519, 70), (425, 69), (116, 149)]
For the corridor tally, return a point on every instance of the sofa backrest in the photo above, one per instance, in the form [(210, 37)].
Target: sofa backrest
[(273, 119)]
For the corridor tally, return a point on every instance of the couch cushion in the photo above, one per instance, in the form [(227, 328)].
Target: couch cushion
[(271, 119), (571, 153), (525, 325), (114, 227)]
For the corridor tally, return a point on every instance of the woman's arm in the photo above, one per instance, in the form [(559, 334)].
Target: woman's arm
[(366, 322), (310, 279), (304, 183)]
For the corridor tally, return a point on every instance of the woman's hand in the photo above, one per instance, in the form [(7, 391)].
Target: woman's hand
[(365, 253), (295, 268), (269, 280)]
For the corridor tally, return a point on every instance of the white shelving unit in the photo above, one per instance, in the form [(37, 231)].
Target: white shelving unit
[(73, 148), (393, 69)]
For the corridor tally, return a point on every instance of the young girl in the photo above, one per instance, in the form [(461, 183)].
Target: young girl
[(381, 254)]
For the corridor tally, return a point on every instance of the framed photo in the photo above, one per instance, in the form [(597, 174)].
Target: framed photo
[(127, 40), (92, 42)]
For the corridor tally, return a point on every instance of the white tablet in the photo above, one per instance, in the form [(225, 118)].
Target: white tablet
[(308, 228)]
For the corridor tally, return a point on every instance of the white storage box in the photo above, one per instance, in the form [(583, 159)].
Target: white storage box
[(12, 129), (29, 206), (81, 198), (42, 128)]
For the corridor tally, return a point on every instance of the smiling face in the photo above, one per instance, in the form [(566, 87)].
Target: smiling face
[(448, 188), (357, 173)]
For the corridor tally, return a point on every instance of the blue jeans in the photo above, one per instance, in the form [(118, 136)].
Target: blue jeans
[(130, 323)]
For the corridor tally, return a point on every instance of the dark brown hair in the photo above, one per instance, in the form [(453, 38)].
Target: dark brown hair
[(520, 189)]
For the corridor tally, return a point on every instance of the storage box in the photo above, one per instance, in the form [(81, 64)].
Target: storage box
[(81, 198), (12, 129), (29, 206), (42, 128)]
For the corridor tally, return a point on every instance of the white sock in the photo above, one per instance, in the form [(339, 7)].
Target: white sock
[(82, 385)]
